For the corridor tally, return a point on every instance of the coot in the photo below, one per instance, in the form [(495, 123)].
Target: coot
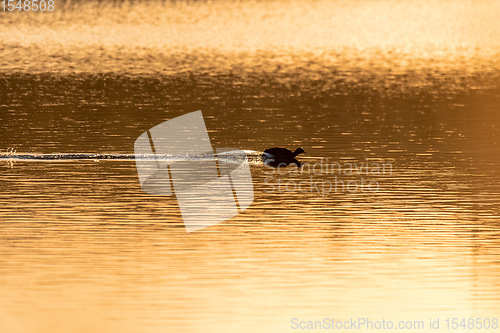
[(277, 157)]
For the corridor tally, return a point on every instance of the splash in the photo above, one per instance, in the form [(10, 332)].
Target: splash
[(253, 157)]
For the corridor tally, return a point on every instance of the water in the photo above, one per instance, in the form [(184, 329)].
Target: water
[(414, 88)]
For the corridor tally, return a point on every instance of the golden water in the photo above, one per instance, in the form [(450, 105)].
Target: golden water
[(413, 84)]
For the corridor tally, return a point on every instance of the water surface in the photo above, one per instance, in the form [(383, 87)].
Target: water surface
[(83, 249)]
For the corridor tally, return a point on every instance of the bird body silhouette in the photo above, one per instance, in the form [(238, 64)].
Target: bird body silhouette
[(281, 156)]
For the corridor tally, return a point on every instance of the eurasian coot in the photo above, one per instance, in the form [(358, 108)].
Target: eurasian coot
[(281, 156), (283, 153)]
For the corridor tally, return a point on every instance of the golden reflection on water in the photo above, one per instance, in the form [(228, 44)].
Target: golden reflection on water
[(91, 252), (83, 249)]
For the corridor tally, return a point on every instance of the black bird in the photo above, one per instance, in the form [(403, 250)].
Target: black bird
[(281, 156), (283, 152)]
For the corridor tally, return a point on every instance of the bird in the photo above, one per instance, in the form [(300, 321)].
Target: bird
[(283, 152), (281, 156)]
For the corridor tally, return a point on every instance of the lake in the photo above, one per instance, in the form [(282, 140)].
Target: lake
[(394, 217)]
